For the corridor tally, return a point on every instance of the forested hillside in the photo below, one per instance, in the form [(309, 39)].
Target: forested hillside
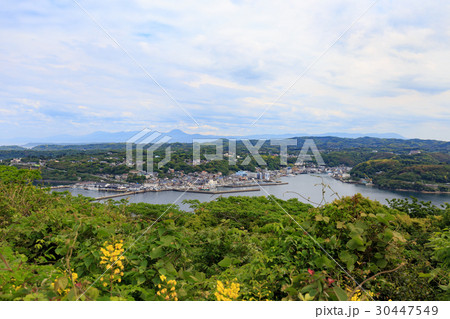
[(324, 143), (420, 172)]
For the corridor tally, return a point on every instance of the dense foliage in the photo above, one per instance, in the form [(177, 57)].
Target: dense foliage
[(58, 247), (420, 172)]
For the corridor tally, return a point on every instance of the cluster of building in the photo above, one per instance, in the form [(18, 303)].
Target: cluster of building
[(197, 180), (210, 181), (180, 181)]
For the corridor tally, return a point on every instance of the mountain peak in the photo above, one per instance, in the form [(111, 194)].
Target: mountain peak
[(176, 131)]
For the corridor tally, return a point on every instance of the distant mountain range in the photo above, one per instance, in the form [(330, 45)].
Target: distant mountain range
[(175, 135)]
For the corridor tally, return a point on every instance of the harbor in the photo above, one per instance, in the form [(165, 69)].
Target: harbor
[(199, 191)]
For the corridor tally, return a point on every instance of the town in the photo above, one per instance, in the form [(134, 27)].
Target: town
[(135, 181), (204, 182)]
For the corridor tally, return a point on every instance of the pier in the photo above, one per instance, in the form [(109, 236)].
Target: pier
[(120, 195), (211, 192), (215, 192), (255, 184), (60, 187)]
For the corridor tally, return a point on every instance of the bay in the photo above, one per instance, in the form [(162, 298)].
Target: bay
[(313, 189)]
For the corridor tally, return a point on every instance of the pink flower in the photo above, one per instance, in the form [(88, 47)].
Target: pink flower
[(311, 272), (330, 281)]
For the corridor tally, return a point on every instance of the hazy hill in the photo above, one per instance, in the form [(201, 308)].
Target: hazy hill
[(175, 135)]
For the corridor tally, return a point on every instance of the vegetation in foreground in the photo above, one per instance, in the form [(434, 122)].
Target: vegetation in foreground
[(55, 246)]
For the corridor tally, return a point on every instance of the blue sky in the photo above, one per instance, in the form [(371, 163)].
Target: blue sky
[(225, 62)]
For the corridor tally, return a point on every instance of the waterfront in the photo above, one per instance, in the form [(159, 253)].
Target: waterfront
[(307, 185)]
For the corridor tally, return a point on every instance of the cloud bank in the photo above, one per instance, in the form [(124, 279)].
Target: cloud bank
[(225, 62)]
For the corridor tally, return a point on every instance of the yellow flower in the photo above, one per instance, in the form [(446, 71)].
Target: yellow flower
[(105, 284), (227, 294), (74, 276), (112, 259), (162, 277), (359, 296)]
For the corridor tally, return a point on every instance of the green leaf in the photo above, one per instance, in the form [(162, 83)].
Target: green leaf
[(323, 261), (349, 259), (358, 240), (399, 236), (157, 252), (309, 289), (143, 265), (226, 262), (93, 293), (353, 244), (170, 269), (168, 240), (140, 280), (72, 294), (306, 297), (61, 283), (382, 263), (340, 293)]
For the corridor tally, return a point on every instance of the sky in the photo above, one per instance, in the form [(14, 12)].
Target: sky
[(232, 67)]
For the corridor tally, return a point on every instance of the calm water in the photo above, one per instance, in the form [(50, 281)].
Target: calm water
[(308, 187)]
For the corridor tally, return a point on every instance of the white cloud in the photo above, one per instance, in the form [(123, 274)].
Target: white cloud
[(225, 62), (205, 79)]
